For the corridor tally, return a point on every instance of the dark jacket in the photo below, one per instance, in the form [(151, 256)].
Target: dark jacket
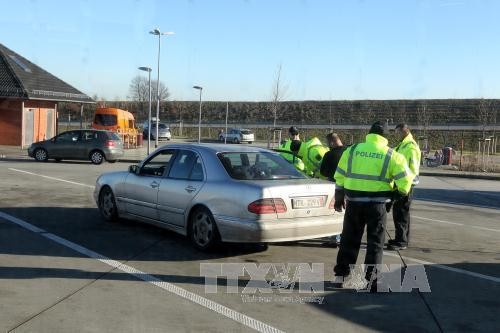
[(330, 161)]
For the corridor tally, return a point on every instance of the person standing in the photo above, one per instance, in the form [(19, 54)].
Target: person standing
[(332, 157), (408, 147), (329, 164), (290, 148), (369, 174)]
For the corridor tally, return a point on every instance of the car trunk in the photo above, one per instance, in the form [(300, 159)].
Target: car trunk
[(303, 200)]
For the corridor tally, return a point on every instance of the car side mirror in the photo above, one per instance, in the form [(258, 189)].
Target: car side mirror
[(134, 169)]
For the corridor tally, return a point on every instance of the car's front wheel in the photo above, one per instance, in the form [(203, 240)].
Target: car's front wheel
[(235, 140), (107, 205), (41, 155), (203, 230), (96, 157)]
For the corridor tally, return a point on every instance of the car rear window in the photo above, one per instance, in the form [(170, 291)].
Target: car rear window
[(113, 136), (258, 166), (246, 132)]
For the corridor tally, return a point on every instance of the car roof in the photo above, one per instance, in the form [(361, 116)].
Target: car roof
[(87, 130), (216, 148)]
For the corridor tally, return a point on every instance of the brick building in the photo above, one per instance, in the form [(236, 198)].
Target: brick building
[(28, 100)]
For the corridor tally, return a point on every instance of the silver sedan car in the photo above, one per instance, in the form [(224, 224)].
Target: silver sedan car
[(213, 193)]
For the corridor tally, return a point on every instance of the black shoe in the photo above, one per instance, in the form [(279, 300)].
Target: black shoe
[(332, 243), (391, 242), (396, 247)]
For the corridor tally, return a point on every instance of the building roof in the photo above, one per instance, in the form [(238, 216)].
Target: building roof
[(20, 78)]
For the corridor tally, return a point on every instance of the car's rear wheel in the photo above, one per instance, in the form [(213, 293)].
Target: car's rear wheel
[(41, 155), (107, 205), (96, 157), (203, 230)]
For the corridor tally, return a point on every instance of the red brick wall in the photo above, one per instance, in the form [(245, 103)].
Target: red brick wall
[(10, 122)]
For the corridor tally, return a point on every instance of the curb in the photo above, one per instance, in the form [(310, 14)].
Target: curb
[(457, 175)]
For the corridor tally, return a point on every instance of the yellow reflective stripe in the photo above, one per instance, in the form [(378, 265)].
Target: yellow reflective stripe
[(341, 171), (385, 166), (349, 160), (400, 175)]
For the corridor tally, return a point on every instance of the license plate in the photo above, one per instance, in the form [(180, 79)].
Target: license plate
[(308, 202)]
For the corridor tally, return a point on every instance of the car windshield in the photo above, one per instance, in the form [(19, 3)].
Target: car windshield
[(258, 166), (105, 119)]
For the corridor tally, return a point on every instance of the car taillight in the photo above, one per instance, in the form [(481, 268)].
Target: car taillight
[(332, 204), (267, 206), (110, 143)]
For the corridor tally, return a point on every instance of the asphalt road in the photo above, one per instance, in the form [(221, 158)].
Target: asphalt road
[(63, 269)]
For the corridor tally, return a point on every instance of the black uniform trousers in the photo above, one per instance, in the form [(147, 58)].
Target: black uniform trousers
[(401, 217), (357, 215)]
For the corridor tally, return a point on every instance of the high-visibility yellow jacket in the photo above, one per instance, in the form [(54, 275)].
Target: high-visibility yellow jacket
[(410, 150), (290, 156), (371, 171), (312, 152)]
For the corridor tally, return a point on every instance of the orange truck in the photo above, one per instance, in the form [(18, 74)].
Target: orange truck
[(117, 120)]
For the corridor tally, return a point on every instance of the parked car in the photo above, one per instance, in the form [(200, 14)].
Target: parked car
[(93, 145), (217, 193), (163, 132), (237, 135)]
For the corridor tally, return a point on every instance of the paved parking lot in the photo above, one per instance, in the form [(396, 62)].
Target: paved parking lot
[(63, 269)]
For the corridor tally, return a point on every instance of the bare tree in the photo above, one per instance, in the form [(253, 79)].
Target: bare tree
[(139, 90), (424, 117), (485, 114), (278, 94)]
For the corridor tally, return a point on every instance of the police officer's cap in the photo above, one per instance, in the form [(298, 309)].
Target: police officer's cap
[(377, 128), (293, 130)]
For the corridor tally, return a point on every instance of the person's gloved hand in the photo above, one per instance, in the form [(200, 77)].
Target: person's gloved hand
[(339, 204), (396, 195)]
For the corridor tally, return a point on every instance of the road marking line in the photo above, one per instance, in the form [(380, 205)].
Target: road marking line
[(241, 318), (434, 220), (445, 267), (460, 224), (53, 178), (436, 201)]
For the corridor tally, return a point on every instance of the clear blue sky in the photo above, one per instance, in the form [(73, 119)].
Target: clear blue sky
[(328, 49)]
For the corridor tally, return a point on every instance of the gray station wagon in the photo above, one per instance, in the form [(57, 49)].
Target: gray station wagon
[(93, 145)]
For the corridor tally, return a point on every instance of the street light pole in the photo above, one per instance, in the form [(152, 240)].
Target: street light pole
[(159, 34), (199, 116), (148, 69)]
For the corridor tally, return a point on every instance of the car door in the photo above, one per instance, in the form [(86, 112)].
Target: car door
[(141, 190), (184, 181), (65, 145), (87, 142)]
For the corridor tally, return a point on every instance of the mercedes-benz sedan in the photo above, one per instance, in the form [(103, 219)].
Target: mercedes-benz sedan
[(214, 193)]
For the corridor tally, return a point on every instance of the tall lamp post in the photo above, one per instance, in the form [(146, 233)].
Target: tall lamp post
[(158, 33), (148, 69), (199, 116)]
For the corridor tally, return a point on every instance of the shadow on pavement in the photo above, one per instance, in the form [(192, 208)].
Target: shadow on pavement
[(123, 240), (466, 197)]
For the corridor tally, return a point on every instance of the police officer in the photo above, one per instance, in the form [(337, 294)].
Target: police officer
[(408, 147), (329, 165), (291, 147), (367, 176)]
